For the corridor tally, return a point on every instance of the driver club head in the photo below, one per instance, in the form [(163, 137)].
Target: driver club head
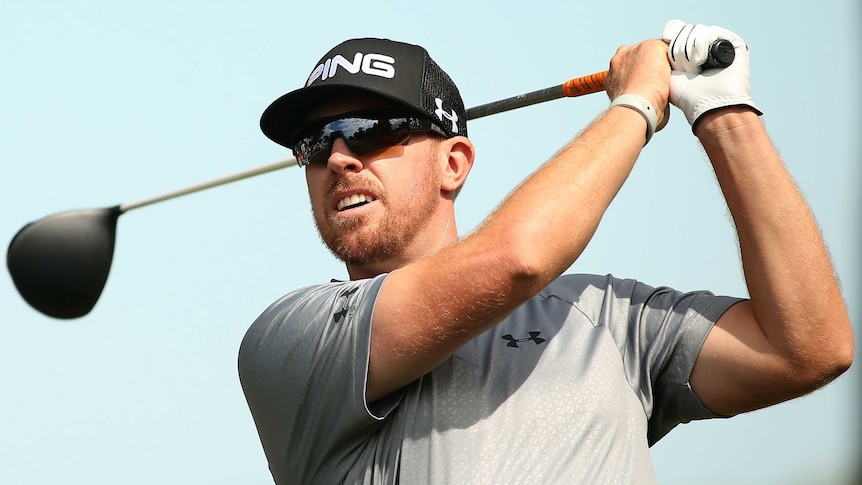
[(60, 263)]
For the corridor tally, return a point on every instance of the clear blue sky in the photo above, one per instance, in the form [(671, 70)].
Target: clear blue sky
[(107, 102)]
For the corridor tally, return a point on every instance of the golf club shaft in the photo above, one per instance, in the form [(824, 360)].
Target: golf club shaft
[(579, 86), (270, 167), (574, 87), (721, 55)]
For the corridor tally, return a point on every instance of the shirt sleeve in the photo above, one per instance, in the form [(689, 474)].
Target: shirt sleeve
[(659, 332), (303, 366)]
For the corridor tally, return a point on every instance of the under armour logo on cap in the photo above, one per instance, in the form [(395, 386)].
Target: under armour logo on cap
[(441, 113)]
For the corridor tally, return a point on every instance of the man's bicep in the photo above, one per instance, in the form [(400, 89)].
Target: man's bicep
[(424, 314), (403, 326), (737, 369)]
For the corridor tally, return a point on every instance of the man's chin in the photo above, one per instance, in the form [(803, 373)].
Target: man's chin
[(356, 250), (363, 242)]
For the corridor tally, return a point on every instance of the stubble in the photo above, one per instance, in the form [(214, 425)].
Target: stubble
[(379, 237)]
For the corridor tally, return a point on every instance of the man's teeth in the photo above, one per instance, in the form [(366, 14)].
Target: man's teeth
[(353, 200)]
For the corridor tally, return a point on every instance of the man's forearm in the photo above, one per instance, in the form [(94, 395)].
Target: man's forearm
[(795, 296), (556, 212)]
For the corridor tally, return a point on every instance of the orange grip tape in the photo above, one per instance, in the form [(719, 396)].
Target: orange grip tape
[(579, 86)]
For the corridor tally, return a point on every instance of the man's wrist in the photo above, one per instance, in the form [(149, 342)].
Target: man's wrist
[(641, 105), (715, 122)]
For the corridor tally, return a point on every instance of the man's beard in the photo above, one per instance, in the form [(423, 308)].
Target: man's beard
[(357, 244)]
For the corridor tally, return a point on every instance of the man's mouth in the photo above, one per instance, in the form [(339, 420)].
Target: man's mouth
[(355, 200)]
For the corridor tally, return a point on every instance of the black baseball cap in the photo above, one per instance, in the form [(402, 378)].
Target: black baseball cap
[(399, 72)]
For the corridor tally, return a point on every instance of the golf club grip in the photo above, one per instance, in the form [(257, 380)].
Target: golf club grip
[(721, 54), (589, 84)]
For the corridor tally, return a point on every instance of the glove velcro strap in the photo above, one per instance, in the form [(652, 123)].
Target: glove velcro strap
[(642, 106)]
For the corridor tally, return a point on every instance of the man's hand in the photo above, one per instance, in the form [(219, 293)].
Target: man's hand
[(642, 69), (696, 91)]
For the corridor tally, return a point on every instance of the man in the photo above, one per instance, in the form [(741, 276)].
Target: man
[(448, 360)]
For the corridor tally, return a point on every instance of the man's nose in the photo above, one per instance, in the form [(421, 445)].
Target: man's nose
[(341, 159)]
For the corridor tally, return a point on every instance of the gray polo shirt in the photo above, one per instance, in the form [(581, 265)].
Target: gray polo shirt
[(573, 387)]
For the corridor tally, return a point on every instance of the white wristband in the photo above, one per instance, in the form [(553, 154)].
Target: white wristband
[(642, 106)]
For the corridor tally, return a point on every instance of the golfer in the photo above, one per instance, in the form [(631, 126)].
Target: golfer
[(475, 360)]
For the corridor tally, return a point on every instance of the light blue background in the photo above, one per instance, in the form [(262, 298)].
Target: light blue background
[(107, 102)]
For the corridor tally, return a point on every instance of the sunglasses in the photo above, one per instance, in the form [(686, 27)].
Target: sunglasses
[(364, 132)]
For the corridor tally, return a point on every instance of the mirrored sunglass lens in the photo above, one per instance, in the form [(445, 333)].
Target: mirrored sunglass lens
[(362, 135), (312, 149), (376, 135)]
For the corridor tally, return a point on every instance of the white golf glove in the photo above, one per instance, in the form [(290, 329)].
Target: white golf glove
[(696, 91)]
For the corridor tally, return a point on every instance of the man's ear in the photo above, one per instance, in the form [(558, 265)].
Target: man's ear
[(459, 153)]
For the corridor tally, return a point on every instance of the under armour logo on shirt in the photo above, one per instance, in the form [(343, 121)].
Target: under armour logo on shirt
[(345, 307), (441, 113), (513, 342)]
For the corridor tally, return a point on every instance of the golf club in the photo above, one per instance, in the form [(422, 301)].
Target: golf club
[(60, 263)]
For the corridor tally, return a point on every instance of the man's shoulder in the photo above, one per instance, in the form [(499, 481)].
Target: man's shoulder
[(308, 317), (334, 290), (582, 287)]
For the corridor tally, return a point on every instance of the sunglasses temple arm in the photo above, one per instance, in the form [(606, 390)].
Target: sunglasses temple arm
[(579, 86), (260, 170)]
